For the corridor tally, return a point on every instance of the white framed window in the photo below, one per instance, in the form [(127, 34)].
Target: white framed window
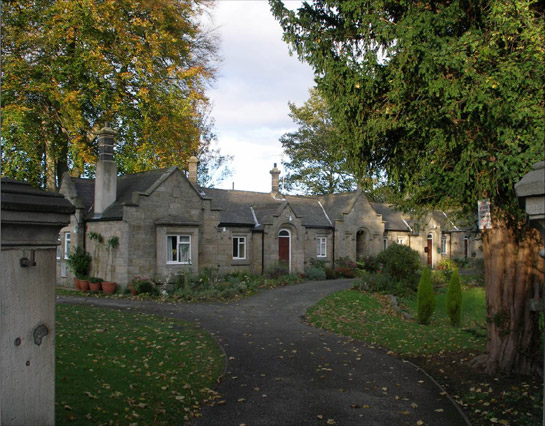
[(443, 244), (239, 247), (179, 249), (66, 245), (321, 249), (59, 248), (384, 243), (400, 240)]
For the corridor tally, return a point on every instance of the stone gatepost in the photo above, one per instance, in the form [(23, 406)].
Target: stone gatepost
[(31, 220), (531, 193)]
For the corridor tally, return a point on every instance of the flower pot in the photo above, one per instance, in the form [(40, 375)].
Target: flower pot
[(84, 285), (133, 290), (93, 286), (76, 283), (108, 287)]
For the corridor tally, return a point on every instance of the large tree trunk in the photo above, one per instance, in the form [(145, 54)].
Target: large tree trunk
[(50, 166), (513, 273)]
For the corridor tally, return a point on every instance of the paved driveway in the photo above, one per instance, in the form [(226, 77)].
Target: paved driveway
[(281, 371)]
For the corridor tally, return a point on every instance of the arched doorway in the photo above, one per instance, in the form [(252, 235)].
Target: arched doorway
[(361, 244), (284, 248), (430, 250)]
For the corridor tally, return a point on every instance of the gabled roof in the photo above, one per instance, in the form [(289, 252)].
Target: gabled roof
[(338, 204), (393, 219), (127, 185), (245, 207)]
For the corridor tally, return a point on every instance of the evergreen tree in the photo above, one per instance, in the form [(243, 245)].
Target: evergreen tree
[(448, 97), (425, 298), (454, 299)]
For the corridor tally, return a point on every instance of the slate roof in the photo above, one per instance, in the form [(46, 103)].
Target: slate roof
[(239, 208), (393, 218), (247, 208), (337, 204), (308, 208), (126, 186)]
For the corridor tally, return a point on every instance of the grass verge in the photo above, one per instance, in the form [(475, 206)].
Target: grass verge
[(444, 351), (115, 367), (370, 317)]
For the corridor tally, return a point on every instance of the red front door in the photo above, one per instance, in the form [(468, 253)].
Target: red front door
[(284, 249), (430, 251)]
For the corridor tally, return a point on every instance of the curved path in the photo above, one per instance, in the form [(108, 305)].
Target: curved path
[(281, 371)]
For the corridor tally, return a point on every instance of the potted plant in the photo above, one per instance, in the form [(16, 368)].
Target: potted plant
[(111, 245), (78, 261), (84, 283), (95, 283)]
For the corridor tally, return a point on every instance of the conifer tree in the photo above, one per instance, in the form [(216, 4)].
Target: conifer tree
[(454, 299), (425, 298)]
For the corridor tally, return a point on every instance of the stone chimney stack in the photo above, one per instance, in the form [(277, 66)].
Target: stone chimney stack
[(106, 171), (193, 164), (275, 173)]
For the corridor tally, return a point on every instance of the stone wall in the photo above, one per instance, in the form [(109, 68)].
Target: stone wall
[(311, 246), (360, 228)]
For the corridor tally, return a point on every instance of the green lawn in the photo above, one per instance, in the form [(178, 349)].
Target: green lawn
[(370, 317), (116, 367)]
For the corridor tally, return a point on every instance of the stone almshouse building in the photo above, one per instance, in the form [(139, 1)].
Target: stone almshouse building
[(165, 224)]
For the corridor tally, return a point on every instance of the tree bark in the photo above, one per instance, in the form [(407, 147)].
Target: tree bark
[(513, 271), (50, 166)]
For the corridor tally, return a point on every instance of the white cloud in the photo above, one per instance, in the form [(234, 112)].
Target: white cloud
[(257, 79)]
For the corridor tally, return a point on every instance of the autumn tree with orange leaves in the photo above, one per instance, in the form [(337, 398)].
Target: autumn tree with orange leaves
[(70, 66)]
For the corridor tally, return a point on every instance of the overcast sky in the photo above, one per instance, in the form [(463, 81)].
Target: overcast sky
[(257, 79)]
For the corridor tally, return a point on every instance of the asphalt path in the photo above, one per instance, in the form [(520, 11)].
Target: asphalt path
[(281, 371)]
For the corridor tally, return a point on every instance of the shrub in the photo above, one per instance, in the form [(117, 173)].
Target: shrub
[(346, 272), (379, 283), (425, 298), (447, 264), (318, 263), (79, 262), (345, 262), (454, 299), (407, 286), (182, 282), (208, 275), (345, 267), (315, 274), (277, 270), (399, 261), (440, 278), (461, 262), (330, 273), (145, 286), (369, 264)]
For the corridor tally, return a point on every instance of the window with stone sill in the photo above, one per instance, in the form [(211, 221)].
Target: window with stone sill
[(67, 245), (444, 244), (178, 249), (321, 249), (239, 248)]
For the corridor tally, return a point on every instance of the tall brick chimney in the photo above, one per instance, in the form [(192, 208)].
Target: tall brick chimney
[(106, 170), (193, 163), (275, 173)]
